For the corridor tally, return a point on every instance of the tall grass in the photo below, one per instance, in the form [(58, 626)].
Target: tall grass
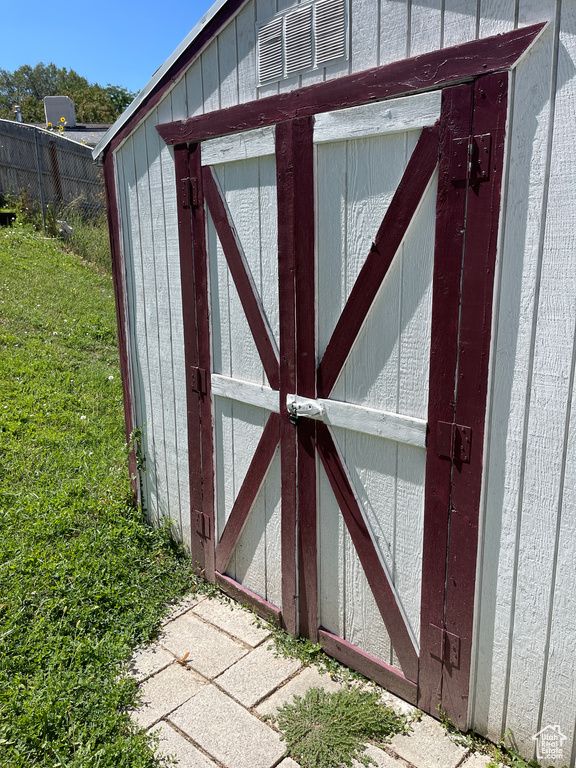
[(84, 232), (82, 578)]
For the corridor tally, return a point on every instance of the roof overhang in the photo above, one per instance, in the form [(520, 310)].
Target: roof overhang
[(166, 75)]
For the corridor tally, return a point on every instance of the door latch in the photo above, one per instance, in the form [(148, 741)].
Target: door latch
[(303, 406)]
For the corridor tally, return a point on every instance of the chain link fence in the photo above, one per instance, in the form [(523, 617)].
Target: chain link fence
[(52, 182)]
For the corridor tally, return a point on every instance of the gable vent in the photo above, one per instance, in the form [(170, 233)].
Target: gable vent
[(302, 39), (299, 40), (270, 63), (330, 32)]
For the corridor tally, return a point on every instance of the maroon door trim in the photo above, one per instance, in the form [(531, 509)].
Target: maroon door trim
[(253, 480), (260, 606), (243, 280), (302, 130), (449, 245), (286, 151), (421, 73), (116, 252), (195, 307), (390, 234), (383, 674), (458, 390), (490, 113)]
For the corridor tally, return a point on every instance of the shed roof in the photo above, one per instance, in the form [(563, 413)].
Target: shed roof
[(199, 36)]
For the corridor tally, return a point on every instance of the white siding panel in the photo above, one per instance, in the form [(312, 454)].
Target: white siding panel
[(210, 77), (179, 105), (459, 22), (250, 551), (496, 16), (518, 278), (177, 443), (425, 26), (393, 31), (364, 34), (228, 65), (549, 400), (559, 692), (124, 164), (164, 407), (156, 463), (194, 91), (246, 48), (151, 486), (525, 673)]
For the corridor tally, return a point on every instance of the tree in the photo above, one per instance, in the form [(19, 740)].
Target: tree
[(27, 86)]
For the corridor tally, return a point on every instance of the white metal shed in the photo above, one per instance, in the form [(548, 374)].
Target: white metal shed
[(343, 241)]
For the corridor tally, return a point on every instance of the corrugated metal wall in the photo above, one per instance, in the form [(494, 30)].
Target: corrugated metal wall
[(525, 673)]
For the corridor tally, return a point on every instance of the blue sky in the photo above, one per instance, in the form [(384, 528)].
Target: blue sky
[(121, 42)]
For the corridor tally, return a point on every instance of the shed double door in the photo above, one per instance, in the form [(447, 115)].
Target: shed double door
[(340, 261)]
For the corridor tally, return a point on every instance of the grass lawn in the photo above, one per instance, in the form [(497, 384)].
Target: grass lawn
[(82, 579)]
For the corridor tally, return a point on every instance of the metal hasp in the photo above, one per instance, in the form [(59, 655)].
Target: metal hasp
[(303, 406)]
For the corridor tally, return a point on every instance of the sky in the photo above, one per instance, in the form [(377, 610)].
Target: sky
[(119, 43)]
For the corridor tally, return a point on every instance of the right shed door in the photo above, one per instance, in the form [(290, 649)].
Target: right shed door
[(376, 189), (406, 206)]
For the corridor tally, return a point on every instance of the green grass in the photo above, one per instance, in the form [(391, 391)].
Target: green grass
[(83, 579)]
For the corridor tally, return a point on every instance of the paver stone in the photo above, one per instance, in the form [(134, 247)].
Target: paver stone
[(172, 744), (232, 619), (227, 731), (428, 746), (149, 660), (209, 651), (256, 675), (165, 691)]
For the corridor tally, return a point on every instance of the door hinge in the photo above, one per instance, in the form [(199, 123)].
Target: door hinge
[(470, 158), (445, 646), (202, 524), (454, 441), (198, 380), (189, 190)]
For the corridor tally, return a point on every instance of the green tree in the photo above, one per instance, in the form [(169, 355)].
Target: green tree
[(27, 86)]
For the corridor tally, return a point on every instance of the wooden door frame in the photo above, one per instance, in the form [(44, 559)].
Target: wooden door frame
[(474, 81)]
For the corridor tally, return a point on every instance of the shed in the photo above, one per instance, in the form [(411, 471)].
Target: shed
[(344, 252)]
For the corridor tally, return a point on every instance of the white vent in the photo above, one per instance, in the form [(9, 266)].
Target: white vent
[(301, 39), (330, 31), (298, 36), (270, 60)]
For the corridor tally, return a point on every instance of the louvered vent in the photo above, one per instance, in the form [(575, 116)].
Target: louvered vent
[(270, 60), (301, 39), (298, 31), (330, 32)]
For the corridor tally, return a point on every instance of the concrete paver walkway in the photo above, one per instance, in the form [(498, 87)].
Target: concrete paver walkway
[(210, 679)]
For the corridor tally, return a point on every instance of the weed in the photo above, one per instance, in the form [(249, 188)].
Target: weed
[(325, 729), (307, 652)]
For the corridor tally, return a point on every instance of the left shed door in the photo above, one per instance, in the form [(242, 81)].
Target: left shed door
[(238, 180)]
